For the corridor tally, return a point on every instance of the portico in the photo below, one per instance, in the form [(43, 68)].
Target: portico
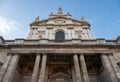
[(54, 67), (60, 49)]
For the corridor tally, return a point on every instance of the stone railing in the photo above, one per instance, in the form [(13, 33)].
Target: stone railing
[(73, 41), (84, 42)]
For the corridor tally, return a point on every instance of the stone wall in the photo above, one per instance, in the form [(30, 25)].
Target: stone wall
[(42, 32)]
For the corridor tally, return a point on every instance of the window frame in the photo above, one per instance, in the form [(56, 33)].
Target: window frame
[(60, 38)]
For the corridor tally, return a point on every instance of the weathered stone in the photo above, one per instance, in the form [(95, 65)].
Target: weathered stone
[(77, 68), (11, 68), (59, 37), (108, 68), (4, 67), (43, 68), (35, 70), (84, 68)]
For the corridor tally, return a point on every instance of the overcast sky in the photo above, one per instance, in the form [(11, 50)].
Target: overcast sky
[(16, 15)]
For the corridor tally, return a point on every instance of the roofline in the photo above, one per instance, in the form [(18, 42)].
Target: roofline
[(32, 24)]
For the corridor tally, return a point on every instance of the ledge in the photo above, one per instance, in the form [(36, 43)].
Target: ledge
[(101, 41), (97, 41)]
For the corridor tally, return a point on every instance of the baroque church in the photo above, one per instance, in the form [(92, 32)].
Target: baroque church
[(60, 49)]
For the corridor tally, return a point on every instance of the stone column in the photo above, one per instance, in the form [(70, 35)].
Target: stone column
[(43, 67), (46, 74), (73, 74), (11, 69), (108, 68), (115, 66), (84, 68), (77, 68), (5, 66), (36, 68)]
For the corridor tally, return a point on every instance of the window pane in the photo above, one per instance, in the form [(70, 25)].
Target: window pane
[(60, 36)]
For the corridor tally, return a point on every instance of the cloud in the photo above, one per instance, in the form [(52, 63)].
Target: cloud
[(8, 27)]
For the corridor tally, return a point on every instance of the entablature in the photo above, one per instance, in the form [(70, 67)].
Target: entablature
[(98, 41)]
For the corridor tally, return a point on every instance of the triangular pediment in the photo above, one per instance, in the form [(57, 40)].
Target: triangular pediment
[(59, 20), (60, 17)]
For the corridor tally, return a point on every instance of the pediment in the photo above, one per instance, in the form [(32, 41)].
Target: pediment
[(60, 75), (63, 20), (59, 20), (59, 17), (39, 23)]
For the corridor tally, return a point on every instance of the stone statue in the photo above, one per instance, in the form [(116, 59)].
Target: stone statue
[(60, 11), (82, 18), (37, 19)]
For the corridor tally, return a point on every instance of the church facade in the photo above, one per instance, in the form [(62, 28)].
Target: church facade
[(60, 49)]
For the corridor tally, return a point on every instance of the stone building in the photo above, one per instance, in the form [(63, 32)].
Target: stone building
[(60, 49)]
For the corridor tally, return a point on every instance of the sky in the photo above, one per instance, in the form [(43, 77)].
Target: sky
[(16, 15)]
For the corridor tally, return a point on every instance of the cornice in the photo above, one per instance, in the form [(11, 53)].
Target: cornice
[(38, 23)]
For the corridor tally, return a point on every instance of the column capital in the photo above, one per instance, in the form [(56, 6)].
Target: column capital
[(9, 54), (104, 53), (38, 53), (110, 54), (44, 53), (12, 53), (16, 54), (107, 54), (75, 53), (81, 53)]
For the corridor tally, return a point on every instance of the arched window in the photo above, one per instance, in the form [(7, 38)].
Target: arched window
[(59, 36)]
